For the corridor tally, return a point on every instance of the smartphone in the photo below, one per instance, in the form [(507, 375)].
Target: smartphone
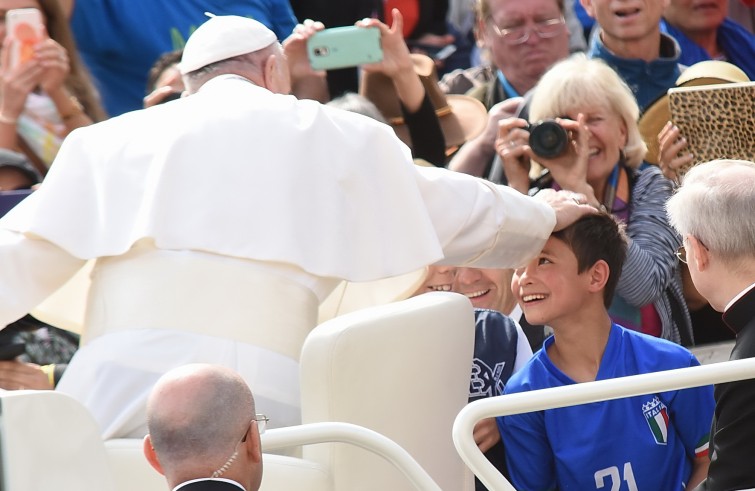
[(434, 52), (25, 29), (342, 47)]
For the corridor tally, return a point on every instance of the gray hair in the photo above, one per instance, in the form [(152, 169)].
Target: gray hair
[(359, 104), (196, 416), (578, 81), (240, 64), (715, 204)]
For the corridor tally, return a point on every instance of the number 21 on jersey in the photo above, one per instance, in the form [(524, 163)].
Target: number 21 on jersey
[(616, 477)]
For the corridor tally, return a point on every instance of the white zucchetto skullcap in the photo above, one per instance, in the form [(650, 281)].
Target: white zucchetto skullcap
[(223, 37)]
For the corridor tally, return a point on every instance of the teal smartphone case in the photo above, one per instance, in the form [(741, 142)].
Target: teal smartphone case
[(342, 47)]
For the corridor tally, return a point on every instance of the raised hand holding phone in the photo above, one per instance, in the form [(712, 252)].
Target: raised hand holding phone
[(397, 62), (19, 77)]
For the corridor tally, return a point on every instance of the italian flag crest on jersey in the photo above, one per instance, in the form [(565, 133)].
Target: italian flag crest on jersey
[(656, 414)]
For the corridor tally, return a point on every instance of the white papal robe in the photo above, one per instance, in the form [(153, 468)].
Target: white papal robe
[(219, 222)]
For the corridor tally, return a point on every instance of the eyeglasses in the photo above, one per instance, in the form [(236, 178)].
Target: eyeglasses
[(520, 34), (681, 253), (262, 421)]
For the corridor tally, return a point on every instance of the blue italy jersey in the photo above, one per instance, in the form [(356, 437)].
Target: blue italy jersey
[(643, 443)]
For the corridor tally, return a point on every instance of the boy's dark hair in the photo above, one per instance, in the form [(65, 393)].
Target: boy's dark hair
[(595, 237)]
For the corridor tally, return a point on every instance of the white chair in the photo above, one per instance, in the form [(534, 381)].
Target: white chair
[(401, 370), (50, 442), (130, 468)]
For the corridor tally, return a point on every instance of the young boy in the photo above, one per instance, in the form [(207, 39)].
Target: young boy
[(649, 442)]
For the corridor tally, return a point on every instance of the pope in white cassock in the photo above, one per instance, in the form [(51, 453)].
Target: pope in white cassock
[(220, 221)]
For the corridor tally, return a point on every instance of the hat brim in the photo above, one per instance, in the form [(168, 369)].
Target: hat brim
[(650, 125)]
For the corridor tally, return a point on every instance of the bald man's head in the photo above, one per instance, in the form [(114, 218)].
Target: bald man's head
[(197, 415)]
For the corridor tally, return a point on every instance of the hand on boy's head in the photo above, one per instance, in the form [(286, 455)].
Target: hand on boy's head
[(569, 206)]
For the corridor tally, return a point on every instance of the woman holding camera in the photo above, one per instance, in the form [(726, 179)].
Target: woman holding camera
[(602, 160), (48, 96)]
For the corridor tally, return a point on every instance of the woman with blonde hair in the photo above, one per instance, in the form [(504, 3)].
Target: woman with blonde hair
[(602, 163), (45, 98)]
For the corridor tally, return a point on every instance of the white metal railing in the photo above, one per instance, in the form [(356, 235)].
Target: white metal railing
[(365, 438), (583, 393)]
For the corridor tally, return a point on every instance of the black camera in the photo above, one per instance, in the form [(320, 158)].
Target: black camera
[(548, 139)]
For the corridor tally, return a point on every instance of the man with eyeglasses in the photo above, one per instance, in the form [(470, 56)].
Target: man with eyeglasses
[(630, 41), (712, 211), (203, 430), (523, 40)]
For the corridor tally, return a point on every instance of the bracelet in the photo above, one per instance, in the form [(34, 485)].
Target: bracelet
[(49, 370), (77, 109), (7, 119)]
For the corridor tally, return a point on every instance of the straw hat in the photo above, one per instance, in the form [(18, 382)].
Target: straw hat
[(461, 117), (655, 117)]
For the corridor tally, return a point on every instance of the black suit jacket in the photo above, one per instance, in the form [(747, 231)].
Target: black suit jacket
[(209, 485), (732, 444)]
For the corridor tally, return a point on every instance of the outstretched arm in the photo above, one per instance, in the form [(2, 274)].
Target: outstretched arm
[(490, 226)]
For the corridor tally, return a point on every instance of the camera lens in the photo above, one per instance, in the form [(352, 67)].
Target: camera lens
[(548, 139)]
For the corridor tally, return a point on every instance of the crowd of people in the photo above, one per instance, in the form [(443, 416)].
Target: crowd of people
[(224, 190)]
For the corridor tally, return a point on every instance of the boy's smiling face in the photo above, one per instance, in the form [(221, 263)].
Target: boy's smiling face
[(549, 287)]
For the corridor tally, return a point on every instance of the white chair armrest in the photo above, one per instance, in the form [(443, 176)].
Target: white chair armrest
[(355, 435)]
